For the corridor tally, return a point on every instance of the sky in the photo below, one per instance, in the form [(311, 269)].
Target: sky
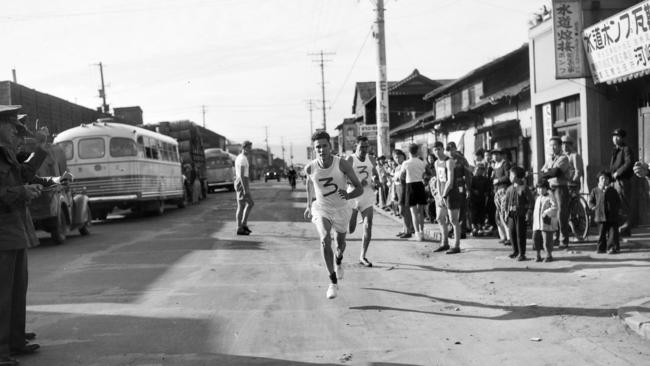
[(248, 62)]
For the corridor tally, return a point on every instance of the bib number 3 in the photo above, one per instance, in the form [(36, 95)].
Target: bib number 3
[(329, 183)]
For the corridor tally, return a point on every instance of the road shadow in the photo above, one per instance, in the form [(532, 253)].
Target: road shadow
[(511, 312), (574, 268), (107, 340)]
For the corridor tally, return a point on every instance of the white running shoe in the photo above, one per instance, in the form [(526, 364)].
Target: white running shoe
[(332, 291), (338, 268), (420, 236)]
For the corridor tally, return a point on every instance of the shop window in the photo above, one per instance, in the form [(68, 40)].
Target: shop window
[(566, 111), (120, 147), (566, 119)]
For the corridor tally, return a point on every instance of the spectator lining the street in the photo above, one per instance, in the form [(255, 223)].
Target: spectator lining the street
[(400, 191), (447, 196), (556, 170), (621, 167), (463, 178), (413, 171), (500, 183), (544, 221), (518, 203), (478, 200), (605, 203)]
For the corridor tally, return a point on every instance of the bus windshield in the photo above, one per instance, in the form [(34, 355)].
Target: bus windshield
[(92, 148), (68, 148)]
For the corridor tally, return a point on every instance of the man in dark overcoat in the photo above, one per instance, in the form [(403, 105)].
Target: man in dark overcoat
[(17, 233)]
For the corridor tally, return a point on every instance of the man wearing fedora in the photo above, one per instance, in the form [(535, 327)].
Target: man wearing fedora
[(17, 233), (621, 166), (556, 170)]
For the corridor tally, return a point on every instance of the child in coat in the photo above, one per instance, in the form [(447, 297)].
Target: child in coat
[(606, 203), (544, 221)]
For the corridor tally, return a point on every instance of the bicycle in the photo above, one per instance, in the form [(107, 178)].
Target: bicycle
[(579, 213)]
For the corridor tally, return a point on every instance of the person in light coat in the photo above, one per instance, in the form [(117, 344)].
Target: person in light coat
[(545, 221)]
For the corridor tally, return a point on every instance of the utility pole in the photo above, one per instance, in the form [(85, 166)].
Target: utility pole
[(203, 111), (310, 104), (322, 61), (268, 151), (282, 143), (102, 91), (383, 123), (291, 152)]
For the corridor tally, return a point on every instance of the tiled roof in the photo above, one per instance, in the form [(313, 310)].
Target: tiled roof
[(443, 89), (510, 91)]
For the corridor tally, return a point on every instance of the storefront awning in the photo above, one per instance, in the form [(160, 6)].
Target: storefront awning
[(632, 76)]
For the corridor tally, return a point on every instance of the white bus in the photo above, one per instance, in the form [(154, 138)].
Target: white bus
[(220, 169), (123, 166)]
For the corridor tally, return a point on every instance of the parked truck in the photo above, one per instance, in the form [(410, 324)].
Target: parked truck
[(190, 147)]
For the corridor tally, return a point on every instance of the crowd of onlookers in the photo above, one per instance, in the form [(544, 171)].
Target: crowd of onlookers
[(493, 197)]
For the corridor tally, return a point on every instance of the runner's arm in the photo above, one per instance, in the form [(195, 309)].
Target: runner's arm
[(450, 177), (244, 180), (346, 168)]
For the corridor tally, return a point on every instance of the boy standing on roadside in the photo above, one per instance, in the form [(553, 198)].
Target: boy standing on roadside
[(606, 203), (518, 204)]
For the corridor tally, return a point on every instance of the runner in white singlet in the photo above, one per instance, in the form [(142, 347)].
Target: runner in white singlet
[(327, 177), (364, 168)]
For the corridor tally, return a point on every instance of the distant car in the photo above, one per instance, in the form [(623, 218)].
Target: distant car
[(271, 174)]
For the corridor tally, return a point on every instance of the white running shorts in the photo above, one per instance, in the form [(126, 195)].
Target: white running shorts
[(339, 218)]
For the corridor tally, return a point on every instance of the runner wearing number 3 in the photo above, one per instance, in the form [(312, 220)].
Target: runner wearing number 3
[(327, 177), (364, 168)]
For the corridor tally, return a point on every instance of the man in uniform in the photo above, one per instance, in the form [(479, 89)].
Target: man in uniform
[(17, 233), (622, 167), (364, 168), (327, 176)]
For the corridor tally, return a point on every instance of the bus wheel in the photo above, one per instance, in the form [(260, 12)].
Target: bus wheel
[(59, 230)]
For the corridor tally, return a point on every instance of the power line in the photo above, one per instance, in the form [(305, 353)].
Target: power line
[(347, 77)]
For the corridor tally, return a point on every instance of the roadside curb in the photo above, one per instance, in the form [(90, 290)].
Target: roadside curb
[(636, 315)]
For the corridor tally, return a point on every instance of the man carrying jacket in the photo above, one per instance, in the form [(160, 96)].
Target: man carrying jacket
[(556, 170), (17, 233)]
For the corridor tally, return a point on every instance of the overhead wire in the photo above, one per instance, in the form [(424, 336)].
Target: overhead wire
[(347, 77)]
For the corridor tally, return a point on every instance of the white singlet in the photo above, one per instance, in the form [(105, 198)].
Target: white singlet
[(363, 170), (329, 204)]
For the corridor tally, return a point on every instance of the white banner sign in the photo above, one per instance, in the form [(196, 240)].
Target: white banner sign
[(619, 46), (368, 130), (567, 29)]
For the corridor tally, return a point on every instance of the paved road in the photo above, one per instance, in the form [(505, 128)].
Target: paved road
[(182, 289)]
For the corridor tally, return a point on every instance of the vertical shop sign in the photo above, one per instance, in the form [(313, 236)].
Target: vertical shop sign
[(547, 124), (567, 29)]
